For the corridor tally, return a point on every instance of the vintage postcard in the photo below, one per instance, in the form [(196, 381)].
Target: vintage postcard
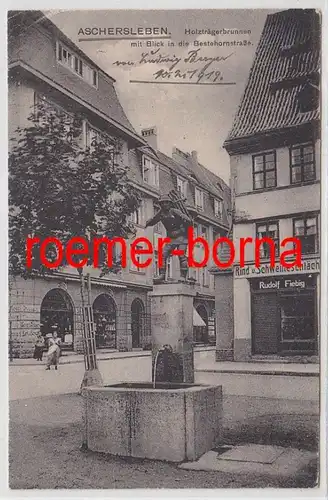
[(164, 249)]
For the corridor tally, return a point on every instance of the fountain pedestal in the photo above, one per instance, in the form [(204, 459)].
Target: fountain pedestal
[(172, 325), (175, 420)]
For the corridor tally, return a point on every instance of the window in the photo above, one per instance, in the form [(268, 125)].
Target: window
[(302, 164), (150, 172), (264, 170), (169, 271), (198, 252), (137, 216), (297, 318), (157, 233), (200, 232), (218, 208), (306, 230), (182, 187), (204, 276), (203, 232), (199, 199), (104, 252), (66, 57), (309, 97), (155, 264), (90, 75), (92, 136), (46, 106), (158, 228), (138, 258), (268, 230)]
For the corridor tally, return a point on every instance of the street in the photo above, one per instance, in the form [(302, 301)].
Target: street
[(46, 424), (33, 380)]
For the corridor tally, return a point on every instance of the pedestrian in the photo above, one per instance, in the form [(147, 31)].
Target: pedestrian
[(38, 347), (53, 353), (57, 339)]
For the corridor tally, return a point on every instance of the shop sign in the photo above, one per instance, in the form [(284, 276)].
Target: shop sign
[(251, 271), (291, 284)]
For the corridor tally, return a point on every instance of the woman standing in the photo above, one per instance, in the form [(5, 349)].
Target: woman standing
[(38, 348), (57, 340), (53, 353)]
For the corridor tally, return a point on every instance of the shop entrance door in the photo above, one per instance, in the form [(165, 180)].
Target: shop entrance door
[(265, 325)]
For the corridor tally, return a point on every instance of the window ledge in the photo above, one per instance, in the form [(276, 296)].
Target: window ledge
[(154, 186), (261, 190), (277, 188), (304, 183)]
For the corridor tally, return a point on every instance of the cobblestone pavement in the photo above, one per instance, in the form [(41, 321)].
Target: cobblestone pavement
[(28, 378), (31, 380), (46, 434)]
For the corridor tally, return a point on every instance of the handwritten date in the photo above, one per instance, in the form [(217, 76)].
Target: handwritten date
[(196, 75)]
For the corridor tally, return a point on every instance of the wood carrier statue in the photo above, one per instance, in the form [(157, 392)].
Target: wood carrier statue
[(176, 220)]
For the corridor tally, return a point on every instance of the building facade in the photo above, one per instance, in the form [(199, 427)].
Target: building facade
[(45, 65), (274, 148)]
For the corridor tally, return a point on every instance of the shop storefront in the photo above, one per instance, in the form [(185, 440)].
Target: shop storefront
[(104, 311), (56, 313), (284, 315), (121, 315)]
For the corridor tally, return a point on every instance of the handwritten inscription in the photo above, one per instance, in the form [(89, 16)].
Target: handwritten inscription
[(197, 75), (194, 67)]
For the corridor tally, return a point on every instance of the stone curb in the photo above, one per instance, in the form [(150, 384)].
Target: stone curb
[(100, 357), (278, 372), (71, 360)]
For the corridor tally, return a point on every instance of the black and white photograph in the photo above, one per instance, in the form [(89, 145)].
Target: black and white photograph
[(165, 249)]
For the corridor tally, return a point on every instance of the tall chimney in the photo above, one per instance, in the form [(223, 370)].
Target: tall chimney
[(194, 157), (150, 135), (180, 156)]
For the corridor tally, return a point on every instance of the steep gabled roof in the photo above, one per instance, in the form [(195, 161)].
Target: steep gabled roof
[(22, 34), (287, 58)]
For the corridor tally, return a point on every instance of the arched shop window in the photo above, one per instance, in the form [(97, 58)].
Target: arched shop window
[(104, 312), (137, 322), (57, 313)]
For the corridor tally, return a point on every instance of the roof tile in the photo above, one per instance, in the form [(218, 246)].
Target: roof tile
[(288, 52)]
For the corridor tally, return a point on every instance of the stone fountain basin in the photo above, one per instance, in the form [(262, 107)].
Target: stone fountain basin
[(173, 422)]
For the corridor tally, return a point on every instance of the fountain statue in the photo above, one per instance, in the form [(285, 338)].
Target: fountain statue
[(176, 220)]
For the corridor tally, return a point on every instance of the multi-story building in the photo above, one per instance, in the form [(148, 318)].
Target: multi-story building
[(274, 148), (46, 65)]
